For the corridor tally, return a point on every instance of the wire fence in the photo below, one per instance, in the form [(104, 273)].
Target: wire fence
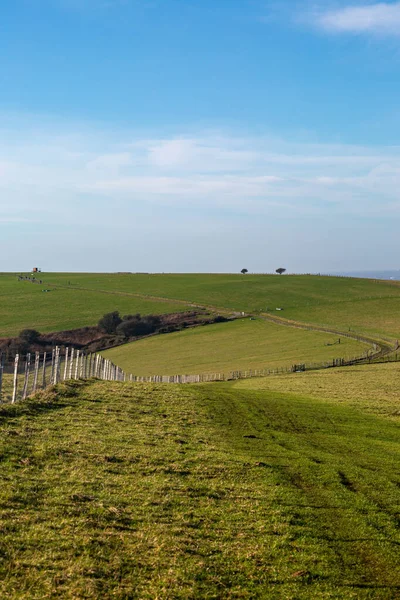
[(23, 376)]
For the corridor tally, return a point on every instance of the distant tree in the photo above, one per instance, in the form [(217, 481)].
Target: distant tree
[(280, 270), (109, 322), (244, 271), (29, 336)]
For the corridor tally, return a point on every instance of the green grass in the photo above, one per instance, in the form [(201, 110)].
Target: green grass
[(372, 388), (238, 345), (214, 491), (364, 305), (24, 305)]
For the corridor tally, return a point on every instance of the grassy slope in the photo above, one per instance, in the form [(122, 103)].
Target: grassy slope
[(365, 305), (372, 388), (24, 305), (238, 345), (118, 491)]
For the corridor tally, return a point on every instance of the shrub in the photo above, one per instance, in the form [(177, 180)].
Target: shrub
[(29, 336), (18, 346), (134, 328), (109, 322), (220, 319), (136, 317)]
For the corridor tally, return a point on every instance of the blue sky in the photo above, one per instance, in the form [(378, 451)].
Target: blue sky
[(199, 135)]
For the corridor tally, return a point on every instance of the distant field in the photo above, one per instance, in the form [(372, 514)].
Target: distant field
[(238, 345), (24, 305), (188, 492), (368, 306), (79, 299)]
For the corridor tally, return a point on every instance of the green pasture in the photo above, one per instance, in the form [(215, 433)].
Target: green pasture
[(218, 491), (25, 305), (374, 316), (223, 347), (371, 388), (365, 305)]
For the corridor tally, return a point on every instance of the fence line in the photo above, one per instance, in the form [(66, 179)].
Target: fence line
[(23, 377)]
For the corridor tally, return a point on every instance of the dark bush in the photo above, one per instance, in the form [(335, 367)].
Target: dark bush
[(220, 319), (18, 346), (136, 317), (134, 328), (109, 322), (153, 320), (29, 336), (135, 325)]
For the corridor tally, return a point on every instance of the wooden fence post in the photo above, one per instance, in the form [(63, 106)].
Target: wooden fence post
[(26, 378), (76, 365), (89, 366), (15, 379), (44, 370), (36, 372), (52, 366), (56, 365), (66, 364), (81, 366), (71, 363)]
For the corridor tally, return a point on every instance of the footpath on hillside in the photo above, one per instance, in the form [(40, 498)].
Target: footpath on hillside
[(149, 491)]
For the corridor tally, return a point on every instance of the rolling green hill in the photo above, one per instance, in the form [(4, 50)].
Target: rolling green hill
[(281, 487), (77, 300), (25, 305), (225, 347), (368, 306)]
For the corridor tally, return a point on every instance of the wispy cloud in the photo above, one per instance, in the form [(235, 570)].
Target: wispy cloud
[(76, 186), (45, 173), (381, 18)]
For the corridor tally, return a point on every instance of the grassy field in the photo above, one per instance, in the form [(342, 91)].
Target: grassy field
[(373, 388), (215, 491), (368, 306), (238, 345), (24, 305)]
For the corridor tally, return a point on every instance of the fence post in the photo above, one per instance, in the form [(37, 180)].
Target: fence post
[(76, 365), (15, 379), (81, 365), (52, 366), (71, 363), (26, 378), (36, 373), (89, 366), (66, 363), (44, 370), (56, 365)]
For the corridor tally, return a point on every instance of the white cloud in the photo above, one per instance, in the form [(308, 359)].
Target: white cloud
[(206, 154), (381, 18), (177, 202), (47, 175)]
